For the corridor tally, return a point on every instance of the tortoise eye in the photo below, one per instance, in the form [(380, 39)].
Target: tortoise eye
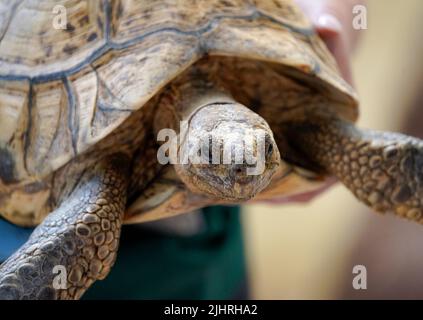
[(210, 150), (269, 149)]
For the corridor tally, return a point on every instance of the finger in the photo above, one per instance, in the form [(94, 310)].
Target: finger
[(337, 44), (302, 197), (333, 21)]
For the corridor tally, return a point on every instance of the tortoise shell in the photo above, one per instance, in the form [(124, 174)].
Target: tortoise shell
[(72, 95)]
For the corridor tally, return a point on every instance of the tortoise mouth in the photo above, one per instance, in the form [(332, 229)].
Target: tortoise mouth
[(229, 182), (226, 188)]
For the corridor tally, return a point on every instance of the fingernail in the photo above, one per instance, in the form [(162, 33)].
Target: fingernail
[(329, 22)]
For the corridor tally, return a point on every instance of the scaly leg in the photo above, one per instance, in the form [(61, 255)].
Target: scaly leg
[(77, 241), (382, 169)]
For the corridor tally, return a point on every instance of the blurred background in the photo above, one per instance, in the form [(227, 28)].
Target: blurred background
[(308, 251)]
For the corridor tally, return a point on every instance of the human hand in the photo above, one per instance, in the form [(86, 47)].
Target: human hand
[(333, 22)]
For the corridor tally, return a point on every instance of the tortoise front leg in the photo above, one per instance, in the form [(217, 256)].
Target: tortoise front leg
[(81, 235), (383, 169)]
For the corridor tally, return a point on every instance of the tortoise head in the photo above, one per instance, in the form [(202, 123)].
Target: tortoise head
[(227, 151)]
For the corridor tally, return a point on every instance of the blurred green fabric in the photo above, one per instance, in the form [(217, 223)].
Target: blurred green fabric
[(150, 265), (11, 238)]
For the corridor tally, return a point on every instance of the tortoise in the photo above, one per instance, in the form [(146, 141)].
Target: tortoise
[(83, 109)]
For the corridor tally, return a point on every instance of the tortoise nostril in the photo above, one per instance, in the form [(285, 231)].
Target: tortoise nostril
[(237, 169)]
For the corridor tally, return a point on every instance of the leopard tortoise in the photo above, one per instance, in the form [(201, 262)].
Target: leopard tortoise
[(82, 108)]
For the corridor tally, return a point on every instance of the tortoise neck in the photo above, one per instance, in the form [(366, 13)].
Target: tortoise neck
[(196, 90)]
